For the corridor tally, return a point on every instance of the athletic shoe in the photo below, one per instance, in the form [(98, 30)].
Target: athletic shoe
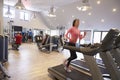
[(67, 69)]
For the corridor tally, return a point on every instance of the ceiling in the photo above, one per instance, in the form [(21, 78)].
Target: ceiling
[(102, 17), (40, 5)]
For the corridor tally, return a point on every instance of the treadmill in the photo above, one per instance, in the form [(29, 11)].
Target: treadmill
[(80, 71), (81, 64), (61, 74), (95, 73)]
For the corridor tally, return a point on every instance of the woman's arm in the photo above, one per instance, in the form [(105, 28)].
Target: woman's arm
[(66, 35), (82, 36)]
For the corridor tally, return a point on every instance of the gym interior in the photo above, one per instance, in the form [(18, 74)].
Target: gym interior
[(59, 40)]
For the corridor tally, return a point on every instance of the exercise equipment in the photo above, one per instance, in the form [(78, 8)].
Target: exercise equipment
[(111, 60), (116, 51), (59, 73), (50, 43), (3, 54), (106, 46), (15, 46), (81, 64), (45, 45), (38, 38), (89, 52), (6, 48)]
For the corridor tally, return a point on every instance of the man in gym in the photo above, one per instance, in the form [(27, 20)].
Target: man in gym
[(30, 36), (18, 40), (74, 35)]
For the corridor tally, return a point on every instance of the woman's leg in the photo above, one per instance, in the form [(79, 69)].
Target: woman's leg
[(65, 62), (72, 57)]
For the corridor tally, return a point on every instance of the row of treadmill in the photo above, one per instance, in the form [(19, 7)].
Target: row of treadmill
[(49, 43), (108, 68)]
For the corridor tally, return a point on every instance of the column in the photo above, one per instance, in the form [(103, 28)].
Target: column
[(1, 17)]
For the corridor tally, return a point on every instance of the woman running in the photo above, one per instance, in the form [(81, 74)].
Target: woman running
[(74, 35)]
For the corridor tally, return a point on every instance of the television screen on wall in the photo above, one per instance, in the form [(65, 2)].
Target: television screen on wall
[(17, 28)]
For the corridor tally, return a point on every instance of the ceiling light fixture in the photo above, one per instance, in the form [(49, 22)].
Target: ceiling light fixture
[(19, 5), (83, 22), (8, 11), (73, 16), (52, 12), (33, 15), (98, 2), (114, 10), (102, 20), (89, 13), (63, 10), (85, 6)]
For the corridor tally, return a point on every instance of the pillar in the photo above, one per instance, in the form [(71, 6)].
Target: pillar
[(1, 17)]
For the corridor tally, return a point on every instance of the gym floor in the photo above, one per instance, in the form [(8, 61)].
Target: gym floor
[(31, 64)]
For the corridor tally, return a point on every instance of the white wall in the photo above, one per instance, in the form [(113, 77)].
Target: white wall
[(55, 33), (33, 23)]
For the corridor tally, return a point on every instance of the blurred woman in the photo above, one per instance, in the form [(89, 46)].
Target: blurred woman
[(74, 35)]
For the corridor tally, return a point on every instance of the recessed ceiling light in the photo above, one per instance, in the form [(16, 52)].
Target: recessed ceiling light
[(63, 10), (83, 22), (102, 20), (83, 8), (79, 8), (73, 16), (114, 10), (98, 2), (89, 13)]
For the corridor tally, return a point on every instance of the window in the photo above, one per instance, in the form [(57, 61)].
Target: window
[(54, 32), (104, 34), (24, 16), (5, 9), (99, 36), (87, 38)]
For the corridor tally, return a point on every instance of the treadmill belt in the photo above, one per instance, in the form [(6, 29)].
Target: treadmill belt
[(74, 75), (82, 65), (100, 62)]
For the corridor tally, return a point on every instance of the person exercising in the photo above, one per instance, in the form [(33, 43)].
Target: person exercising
[(74, 35), (18, 40)]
